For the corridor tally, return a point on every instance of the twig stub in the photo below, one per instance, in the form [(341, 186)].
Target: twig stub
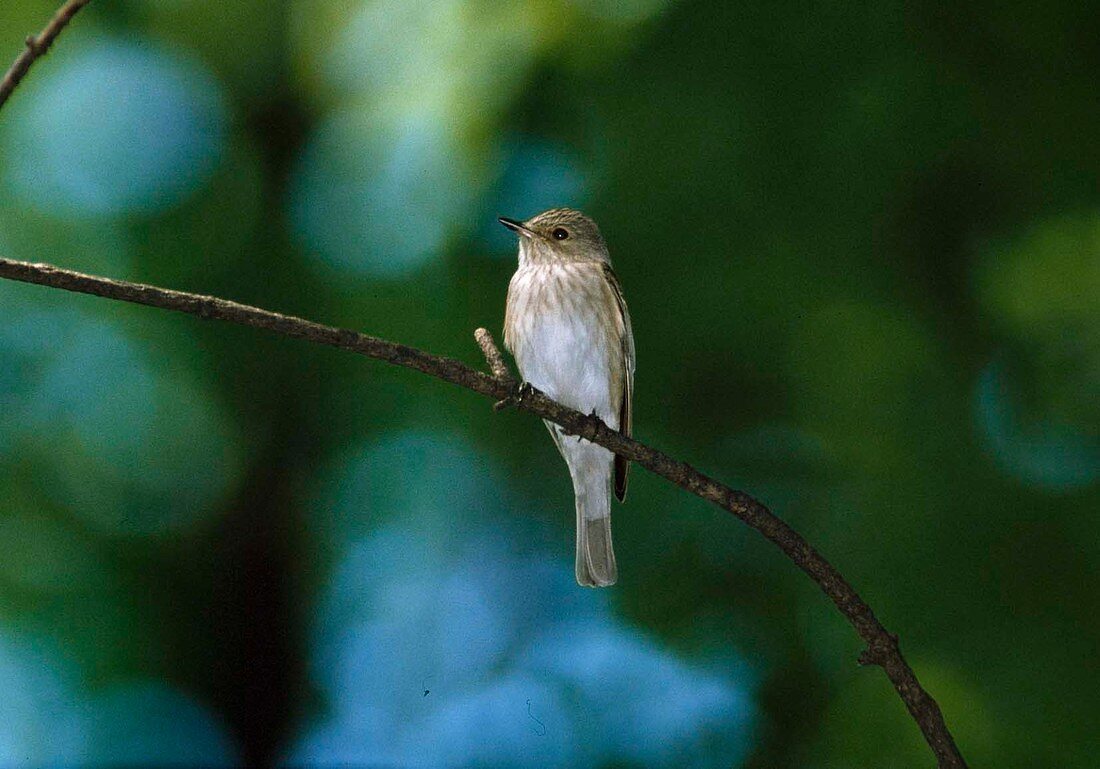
[(493, 355)]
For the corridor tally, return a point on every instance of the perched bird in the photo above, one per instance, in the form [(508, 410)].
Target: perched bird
[(567, 326)]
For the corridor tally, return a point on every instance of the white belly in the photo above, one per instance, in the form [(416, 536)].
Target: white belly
[(561, 338)]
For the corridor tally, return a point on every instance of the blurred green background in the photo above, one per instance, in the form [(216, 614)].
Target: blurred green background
[(861, 246)]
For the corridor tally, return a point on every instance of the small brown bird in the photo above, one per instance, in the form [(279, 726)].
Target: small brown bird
[(567, 326)]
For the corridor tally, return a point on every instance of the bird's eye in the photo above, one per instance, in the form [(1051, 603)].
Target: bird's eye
[(560, 233)]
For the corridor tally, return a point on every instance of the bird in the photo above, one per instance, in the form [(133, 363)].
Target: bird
[(568, 329)]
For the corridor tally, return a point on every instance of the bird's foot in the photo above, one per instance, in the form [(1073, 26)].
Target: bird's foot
[(523, 389), (593, 419)]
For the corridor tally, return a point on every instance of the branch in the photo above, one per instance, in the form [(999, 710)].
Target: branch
[(36, 46), (882, 646)]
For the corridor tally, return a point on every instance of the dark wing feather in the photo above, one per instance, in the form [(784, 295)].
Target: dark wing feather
[(626, 419)]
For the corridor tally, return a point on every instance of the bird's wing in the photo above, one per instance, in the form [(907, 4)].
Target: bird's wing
[(626, 339)]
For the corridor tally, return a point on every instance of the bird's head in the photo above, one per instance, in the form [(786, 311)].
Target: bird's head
[(558, 235)]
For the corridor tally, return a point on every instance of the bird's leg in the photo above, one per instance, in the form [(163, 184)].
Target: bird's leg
[(523, 389), (594, 419)]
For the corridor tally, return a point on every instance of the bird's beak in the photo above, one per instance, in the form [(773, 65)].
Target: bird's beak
[(516, 227)]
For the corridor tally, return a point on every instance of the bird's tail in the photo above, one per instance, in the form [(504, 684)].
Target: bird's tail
[(595, 555)]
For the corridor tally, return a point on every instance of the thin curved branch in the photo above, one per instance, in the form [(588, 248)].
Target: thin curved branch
[(36, 46), (882, 646)]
